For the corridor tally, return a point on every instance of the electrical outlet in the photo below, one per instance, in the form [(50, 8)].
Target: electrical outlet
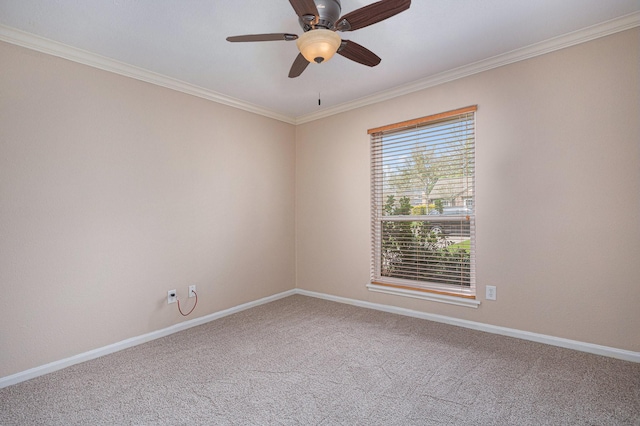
[(172, 296), (491, 292), (192, 291)]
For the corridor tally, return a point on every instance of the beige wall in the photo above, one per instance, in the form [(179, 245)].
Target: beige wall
[(558, 193), (114, 191)]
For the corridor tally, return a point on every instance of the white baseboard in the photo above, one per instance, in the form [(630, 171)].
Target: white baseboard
[(134, 341), (494, 329)]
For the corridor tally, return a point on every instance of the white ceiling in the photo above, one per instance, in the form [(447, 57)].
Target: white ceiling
[(185, 40)]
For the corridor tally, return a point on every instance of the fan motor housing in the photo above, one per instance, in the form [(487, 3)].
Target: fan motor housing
[(329, 13)]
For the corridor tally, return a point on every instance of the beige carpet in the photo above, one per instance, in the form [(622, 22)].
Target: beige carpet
[(305, 361)]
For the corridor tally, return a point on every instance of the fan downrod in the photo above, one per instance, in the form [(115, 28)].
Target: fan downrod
[(328, 14)]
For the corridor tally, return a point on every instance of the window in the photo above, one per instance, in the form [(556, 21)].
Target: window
[(422, 200)]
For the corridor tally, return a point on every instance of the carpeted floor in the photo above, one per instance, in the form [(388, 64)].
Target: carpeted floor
[(305, 361)]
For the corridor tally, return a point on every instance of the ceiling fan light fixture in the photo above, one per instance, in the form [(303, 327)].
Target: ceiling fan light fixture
[(318, 45)]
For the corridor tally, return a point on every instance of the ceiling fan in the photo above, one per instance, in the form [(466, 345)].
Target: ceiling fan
[(320, 19)]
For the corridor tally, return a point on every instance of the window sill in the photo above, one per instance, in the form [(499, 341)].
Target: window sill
[(432, 297)]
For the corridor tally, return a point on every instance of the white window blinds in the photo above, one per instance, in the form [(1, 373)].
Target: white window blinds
[(422, 203)]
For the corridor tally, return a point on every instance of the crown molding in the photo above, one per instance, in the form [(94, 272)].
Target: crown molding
[(604, 29), (44, 45)]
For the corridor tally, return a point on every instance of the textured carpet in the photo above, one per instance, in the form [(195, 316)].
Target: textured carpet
[(305, 361)]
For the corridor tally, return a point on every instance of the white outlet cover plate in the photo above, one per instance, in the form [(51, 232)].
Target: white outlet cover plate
[(490, 292)]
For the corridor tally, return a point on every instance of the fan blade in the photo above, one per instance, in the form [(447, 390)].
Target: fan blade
[(355, 52), (299, 65), (372, 14), (263, 37), (305, 7)]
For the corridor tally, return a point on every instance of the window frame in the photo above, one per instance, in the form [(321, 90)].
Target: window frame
[(455, 294)]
